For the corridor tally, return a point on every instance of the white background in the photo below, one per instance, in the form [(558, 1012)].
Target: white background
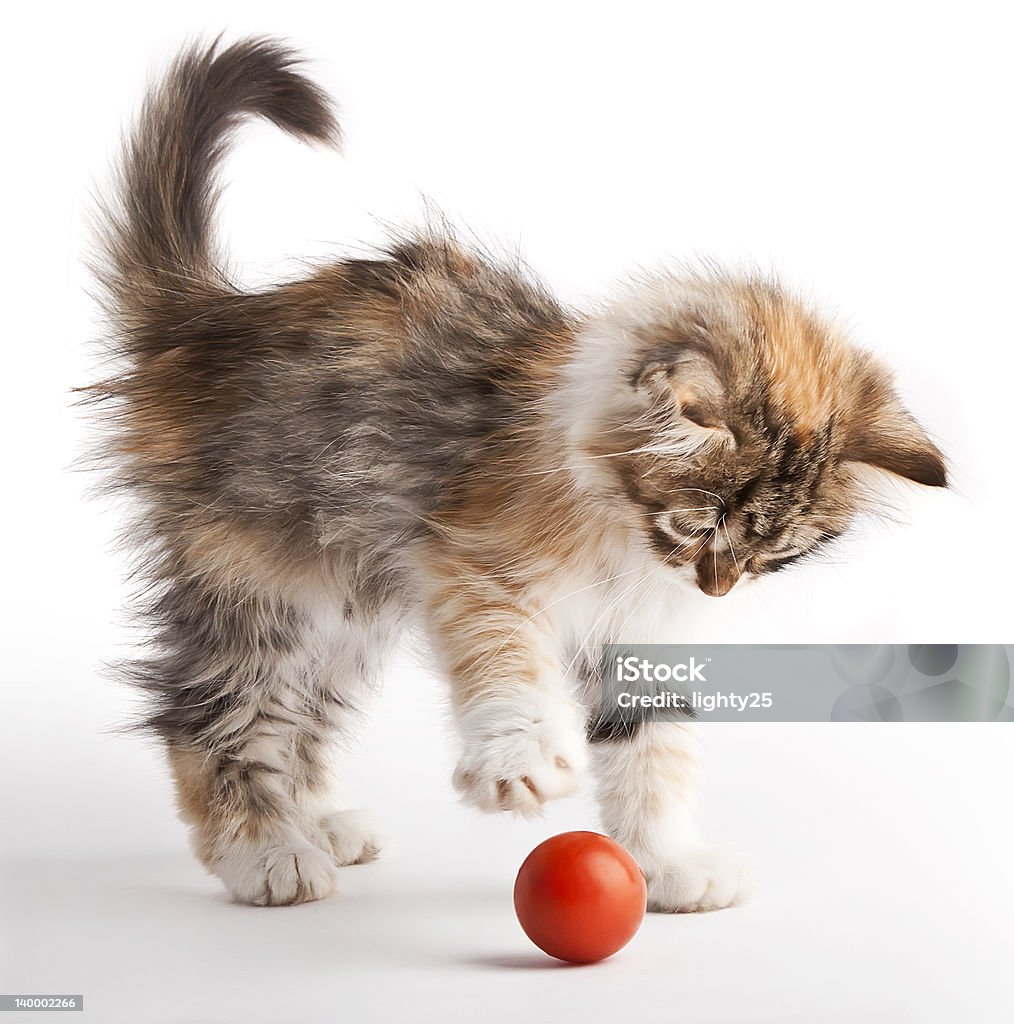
[(860, 150)]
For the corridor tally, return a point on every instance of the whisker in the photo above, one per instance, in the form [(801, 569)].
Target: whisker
[(641, 450), (728, 537), (640, 602), (573, 593), (583, 645), (701, 490), (667, 511)]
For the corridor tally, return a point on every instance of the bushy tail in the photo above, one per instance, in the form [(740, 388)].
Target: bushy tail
[(156, 233)]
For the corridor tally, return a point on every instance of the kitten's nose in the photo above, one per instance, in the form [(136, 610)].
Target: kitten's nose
[(717, 573)]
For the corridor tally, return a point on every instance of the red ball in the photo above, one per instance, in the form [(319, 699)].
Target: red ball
[(580, 897)]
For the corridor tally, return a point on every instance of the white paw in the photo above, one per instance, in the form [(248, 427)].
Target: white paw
[(276, 873), (519, 754), (354, 837), (704, 878)]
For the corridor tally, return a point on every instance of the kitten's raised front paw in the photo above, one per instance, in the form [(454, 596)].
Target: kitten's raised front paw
[(355, 837), (705, 878), (517, 757), (275, 873)]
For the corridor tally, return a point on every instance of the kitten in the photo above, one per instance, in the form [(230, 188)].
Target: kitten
[(429, 440)]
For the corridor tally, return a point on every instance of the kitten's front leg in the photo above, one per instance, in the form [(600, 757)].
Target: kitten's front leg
[(523, 737), (646, 780), (522, 745)]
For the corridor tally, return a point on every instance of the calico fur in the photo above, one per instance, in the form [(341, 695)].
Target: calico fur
[(428, 440)]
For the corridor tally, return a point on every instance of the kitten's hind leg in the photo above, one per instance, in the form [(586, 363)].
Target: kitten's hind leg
[(252, 696), (246, 828)]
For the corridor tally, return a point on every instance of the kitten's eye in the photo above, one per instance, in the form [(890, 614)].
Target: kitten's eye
[(785, 551), (690, 524), (774, 562)]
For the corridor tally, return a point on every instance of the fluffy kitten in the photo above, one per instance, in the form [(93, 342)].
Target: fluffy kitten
[(427, 439)]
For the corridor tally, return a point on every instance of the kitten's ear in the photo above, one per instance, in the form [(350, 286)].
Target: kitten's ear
[(687, 389), (886, 436)]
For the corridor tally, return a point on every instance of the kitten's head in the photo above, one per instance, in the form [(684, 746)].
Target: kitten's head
[(733, 425)]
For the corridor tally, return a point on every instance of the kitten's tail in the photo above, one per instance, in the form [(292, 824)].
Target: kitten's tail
[(156, 235)]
